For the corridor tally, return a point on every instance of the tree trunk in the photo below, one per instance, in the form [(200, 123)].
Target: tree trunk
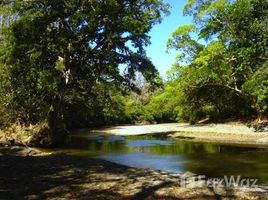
[(55, 119)]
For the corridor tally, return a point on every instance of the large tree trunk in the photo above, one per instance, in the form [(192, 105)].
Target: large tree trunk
[(55, 119)]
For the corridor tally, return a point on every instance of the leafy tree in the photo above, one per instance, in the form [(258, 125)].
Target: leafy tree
[(257, 85), (58, 52), (222, 77), (220, 70)]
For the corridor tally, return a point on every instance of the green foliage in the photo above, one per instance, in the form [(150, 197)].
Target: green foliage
[(257, 85), (182, 41), (61, 58), (59, 62), (225, 77), (5, 95)]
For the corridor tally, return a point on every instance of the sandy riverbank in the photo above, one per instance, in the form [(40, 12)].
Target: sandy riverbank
[(230, 133)]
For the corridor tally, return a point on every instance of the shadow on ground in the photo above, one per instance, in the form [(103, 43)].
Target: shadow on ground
[(71, 177)]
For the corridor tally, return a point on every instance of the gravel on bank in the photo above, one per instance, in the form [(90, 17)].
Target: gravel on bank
[(230, 132)]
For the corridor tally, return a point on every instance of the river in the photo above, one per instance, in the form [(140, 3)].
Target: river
[(209, 159)]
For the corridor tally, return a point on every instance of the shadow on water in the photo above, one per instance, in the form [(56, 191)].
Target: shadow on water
[(76, 177), (210, 159), (71, 177)]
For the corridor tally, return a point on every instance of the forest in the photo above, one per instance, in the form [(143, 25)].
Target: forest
[(71, 64)]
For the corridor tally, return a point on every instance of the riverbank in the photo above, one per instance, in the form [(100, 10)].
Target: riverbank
[(236, 133), (226, 133), (70, 177)]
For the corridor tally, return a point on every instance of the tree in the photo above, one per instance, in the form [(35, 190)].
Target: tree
[(59, 50), (223, 73)]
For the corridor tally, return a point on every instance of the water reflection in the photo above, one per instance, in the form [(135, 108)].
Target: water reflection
[(212, 160)]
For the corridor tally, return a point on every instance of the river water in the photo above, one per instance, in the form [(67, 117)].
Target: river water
[(210, 159)]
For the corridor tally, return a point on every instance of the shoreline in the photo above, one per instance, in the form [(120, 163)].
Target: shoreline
[(205, 137), (41, 175), (219, 133), (228, 133), (72, 177)]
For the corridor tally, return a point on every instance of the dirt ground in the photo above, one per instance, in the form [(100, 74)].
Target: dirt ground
[(70, 177)]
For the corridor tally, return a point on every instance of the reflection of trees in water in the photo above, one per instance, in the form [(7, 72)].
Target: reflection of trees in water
[(103, 144), (184, 148), (247, 164), (215, 160), (212, 160)]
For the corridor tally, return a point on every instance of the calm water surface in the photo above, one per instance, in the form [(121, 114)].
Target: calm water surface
[(210, 159)]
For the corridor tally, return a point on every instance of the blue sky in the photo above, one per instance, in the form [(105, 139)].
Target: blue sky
[(162, 32)]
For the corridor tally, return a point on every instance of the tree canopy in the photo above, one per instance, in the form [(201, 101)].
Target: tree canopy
[(221, 73), (60, 54)]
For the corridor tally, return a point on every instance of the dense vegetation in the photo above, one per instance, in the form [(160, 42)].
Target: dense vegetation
[(223, 72), (61, 59), (69, 64)]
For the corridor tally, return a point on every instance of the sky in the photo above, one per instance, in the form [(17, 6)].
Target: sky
[(162, 32)]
